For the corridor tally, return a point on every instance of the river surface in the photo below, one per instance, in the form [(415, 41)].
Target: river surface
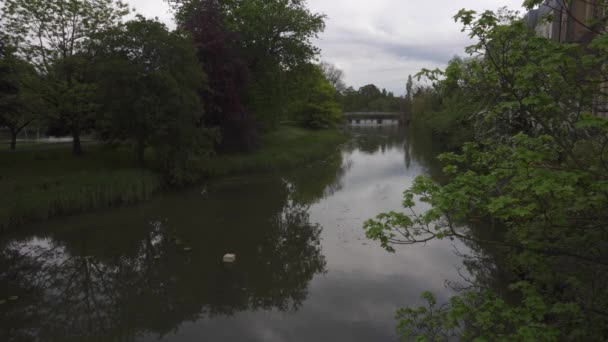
[(304, 271)]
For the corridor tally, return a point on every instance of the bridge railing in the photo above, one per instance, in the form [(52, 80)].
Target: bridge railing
[(375, 117), (372, 114)]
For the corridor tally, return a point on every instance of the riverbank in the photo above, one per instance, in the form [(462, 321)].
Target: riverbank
[(48, 182)]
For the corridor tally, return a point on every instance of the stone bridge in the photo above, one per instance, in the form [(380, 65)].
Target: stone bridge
[(374, 118)]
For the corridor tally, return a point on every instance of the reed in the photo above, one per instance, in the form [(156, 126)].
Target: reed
[(37, 185)]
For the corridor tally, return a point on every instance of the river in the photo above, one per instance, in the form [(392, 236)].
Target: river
[(304, 270)]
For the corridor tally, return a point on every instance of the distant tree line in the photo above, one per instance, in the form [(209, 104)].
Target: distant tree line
[(370, 98), (229, 72)]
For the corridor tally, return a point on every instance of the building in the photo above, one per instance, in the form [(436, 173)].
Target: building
[(573, 21), (570, 21)]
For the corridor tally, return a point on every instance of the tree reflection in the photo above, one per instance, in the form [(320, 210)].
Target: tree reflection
[(130, 272), (152, 286), (485, 265), (319, 180), (371, 140), (422, 147)]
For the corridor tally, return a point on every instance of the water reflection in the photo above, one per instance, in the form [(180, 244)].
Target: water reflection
[(304, 269), (95, 285)]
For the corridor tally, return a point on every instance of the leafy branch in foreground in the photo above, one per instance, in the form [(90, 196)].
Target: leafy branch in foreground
[(554, 213), (537, 169)]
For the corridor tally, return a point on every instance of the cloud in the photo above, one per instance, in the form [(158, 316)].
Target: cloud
[(380, 41), (152, 9)]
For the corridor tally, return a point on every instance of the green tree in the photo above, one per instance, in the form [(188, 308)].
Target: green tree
[(447, 108), (275, 38), (409, 88), (149, 79), (227, 77), (20, 105), (537, 168), (317, 106), (370, 98), (53, 35)]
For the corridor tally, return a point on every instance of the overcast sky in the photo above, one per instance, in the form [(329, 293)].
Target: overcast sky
[(381, 41)]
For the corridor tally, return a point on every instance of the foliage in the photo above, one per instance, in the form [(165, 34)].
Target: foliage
[(274, 38), (278, 30), (316, 106), (370, 98), (537, 167), (549, 206), (446, 109), (227, 75), (409, 88), (334, 76), (148, 81), (72, 101), (20, 106), (487, 317), (56, 45)]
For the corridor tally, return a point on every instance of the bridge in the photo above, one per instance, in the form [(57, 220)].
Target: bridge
[(374, 118)]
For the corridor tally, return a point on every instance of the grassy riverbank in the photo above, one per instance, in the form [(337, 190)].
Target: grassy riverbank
[(45, 182), (284, 148)]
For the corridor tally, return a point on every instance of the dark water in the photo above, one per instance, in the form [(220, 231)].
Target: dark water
[(304, 270)]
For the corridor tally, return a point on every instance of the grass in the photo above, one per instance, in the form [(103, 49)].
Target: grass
[(41, 182), (284, 148)]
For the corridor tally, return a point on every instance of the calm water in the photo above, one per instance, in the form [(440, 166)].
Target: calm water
[(304, 271)]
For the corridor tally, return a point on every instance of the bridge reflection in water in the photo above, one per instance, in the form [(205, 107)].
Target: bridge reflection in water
[(374, 118)]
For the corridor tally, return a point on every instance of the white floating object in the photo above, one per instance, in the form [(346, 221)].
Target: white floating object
[(2, 302), (187, 249), (229, 258), (13, 298)]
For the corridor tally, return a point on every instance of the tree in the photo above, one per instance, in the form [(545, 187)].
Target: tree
[(409, 87), (334, 76), (149, 80), (274, 38), (227, 75), (19, 103), (369, 98), (538, 169), (53, 35), (278, 31), (317, 107), (446, 108)]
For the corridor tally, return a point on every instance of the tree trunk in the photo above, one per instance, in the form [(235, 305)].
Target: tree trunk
[(13, 141), (140, 150), (76, 146)]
